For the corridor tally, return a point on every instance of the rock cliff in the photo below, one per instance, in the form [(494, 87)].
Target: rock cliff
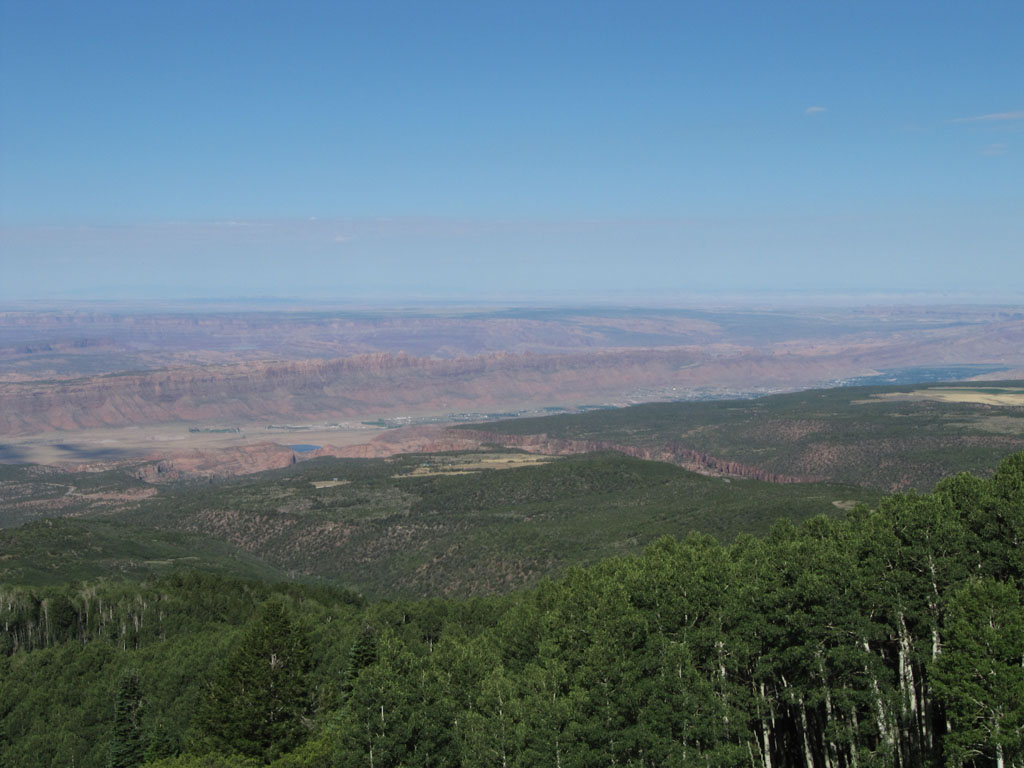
[(375, 384)]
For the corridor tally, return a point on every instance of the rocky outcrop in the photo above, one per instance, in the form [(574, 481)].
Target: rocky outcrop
[(221, 462), (423, 439)]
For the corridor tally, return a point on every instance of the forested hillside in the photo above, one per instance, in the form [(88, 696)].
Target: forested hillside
[(409, 526), (891, 637), (892, 438)]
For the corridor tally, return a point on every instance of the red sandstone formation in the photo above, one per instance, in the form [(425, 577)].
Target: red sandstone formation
[(317, 390), (389, 385)]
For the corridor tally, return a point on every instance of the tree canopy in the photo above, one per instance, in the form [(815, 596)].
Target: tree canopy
[(891, 637)]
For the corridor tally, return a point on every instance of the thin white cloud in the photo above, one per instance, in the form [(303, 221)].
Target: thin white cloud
[(1016, 115), (815, 110), (995, 150)]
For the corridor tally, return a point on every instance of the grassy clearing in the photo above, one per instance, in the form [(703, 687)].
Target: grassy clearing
[(468, 465), (845, 504), (998, 396)]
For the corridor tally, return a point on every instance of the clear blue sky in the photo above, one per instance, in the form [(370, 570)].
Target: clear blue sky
[(487, 149)]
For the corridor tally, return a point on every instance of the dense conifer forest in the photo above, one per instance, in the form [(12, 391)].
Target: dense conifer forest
[(893, 636)]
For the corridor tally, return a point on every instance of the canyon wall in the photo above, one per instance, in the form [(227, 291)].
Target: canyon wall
[(360, 386)]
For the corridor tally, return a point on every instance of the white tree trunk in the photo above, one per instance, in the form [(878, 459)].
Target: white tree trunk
[(881, 721), (853, 741), (808, 755), (831, 752)]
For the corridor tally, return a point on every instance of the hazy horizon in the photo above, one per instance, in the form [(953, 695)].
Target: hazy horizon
[(535, 300)]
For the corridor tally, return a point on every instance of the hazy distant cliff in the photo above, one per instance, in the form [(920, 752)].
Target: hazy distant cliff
[(356, 386), (79, 370)]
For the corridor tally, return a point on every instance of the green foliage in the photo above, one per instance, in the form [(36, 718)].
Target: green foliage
[(257, 701), (29, 492), (824, 643), (127, 744), (853, 435), (49, 552), (980, 673), (362, 654), (212, 760), (390, 534), (57, 696)]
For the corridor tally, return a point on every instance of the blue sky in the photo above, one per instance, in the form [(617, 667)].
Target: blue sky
[(510, 149)]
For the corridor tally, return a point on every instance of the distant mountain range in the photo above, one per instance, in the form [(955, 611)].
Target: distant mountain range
[(75, 371)]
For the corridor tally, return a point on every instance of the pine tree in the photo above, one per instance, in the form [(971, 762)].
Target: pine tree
[(980, 674), (257, 701), (126, 743), (376, 727), (159, 741), (362, 654)]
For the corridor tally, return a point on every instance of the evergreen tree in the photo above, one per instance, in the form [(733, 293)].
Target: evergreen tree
[(362, 654), (127, 746), (376, 726), (159, 741), (980, 674), (258, 700)]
